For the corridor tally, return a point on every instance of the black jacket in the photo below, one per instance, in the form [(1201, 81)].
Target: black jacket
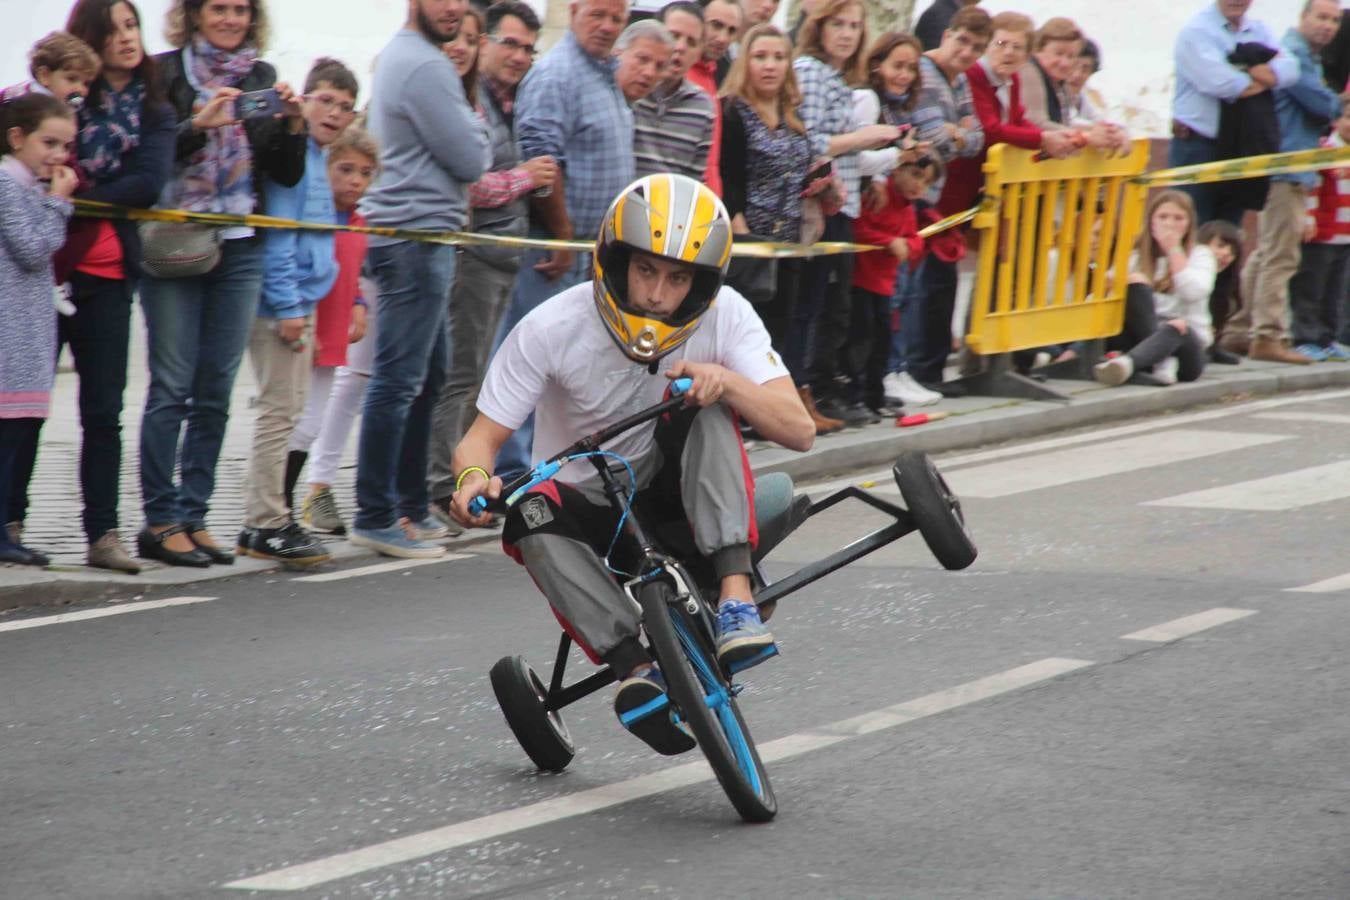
[(277, 154), (1248, 127)]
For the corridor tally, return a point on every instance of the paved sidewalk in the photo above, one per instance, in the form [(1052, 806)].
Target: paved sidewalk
[(53, 526)]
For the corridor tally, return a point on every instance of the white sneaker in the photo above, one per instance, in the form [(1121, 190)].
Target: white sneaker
[(1166, 371), (902, 386), (1114, 372)]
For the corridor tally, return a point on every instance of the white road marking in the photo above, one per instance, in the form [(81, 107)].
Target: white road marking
[(378, 568), (1326, 586), (1290, 490), (883, 476), (415, 846), (1327, 418), (118, 610), (1189, 625), (1115, 458)]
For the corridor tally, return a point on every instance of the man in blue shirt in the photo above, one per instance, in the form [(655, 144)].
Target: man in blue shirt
[(1304, 109), (570, 108), (1205, 78)]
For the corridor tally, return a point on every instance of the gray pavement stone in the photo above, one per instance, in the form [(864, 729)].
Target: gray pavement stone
[(54, 528)]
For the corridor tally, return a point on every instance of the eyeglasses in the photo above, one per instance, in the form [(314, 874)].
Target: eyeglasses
[(328, 103), (513, 46), (1014, 46)]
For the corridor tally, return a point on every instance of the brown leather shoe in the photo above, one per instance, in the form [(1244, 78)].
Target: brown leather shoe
[(1274, 350), (1236, 343), (108, 553), (824, 424)]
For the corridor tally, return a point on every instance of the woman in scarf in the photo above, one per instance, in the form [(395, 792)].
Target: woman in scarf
[(199, 325)]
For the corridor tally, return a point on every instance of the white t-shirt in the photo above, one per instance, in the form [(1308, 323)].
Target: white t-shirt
[(562, 364)]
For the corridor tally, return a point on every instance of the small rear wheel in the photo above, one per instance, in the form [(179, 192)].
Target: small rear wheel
[(704, 699), (936, 510), (541, 733)]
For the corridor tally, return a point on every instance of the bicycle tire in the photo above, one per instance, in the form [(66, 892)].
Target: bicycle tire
[(692, 675), (936, 510), (541, 734)]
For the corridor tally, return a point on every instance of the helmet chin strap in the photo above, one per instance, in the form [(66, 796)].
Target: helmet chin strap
[(651, 366)]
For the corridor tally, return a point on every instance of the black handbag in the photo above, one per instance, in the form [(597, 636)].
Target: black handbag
[(755, 277)]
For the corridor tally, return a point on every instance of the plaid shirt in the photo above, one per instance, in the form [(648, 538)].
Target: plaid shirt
[(569, 107), (826, 111), (941, 102)]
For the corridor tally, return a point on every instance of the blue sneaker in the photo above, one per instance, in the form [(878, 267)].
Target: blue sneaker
[(392, 541), (643, 707), (1314, 352), (742, 639), (429, 529), (1338, 352)]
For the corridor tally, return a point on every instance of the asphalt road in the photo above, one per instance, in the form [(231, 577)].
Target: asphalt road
[(1020, 729)]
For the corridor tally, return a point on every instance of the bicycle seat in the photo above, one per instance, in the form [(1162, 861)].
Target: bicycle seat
[(778, 511)]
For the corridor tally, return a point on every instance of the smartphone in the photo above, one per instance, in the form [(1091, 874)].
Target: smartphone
[(257, 104), (823, 170)]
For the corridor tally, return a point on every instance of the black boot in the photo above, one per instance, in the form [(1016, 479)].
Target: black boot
[(295, 464)]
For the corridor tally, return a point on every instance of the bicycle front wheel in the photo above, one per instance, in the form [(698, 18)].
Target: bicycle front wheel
[(704, 699)]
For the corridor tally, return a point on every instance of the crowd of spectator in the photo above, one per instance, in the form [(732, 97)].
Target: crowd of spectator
[(822, 132)]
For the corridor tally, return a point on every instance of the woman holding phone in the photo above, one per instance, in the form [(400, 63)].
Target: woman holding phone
[(236, 127), (831, 61), (765, 155)]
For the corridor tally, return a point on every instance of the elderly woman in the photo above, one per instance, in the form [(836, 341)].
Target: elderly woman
[(199, 323)]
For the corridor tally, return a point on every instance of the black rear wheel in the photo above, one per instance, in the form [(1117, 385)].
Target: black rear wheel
[(936, 510), (706, 701), (541, 733)]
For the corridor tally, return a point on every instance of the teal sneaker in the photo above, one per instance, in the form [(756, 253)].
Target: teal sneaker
[(1314, 352), (643, 707), (1337, 352), (392, 541), (742, 639)]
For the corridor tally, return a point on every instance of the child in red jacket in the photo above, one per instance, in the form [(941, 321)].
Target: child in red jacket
[(892, 225), (1318, 291)]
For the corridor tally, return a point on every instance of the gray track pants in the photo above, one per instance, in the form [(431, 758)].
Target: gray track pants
[(695, 479)]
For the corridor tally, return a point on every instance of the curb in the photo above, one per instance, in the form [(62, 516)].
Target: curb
[(976, 421)]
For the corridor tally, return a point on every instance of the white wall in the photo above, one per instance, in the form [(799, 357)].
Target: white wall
[(1135, 37)]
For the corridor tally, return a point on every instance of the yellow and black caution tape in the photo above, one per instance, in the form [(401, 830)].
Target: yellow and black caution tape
[(1248, 167), (759, 249)]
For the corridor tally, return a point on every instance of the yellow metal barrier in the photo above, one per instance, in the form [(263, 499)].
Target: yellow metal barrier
[(1050, 232)]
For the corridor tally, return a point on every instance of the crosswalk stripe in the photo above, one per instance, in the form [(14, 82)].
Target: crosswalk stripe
[(1325, 586), (1189, 625), (1290, 490), (1114, 458), (1326, 418), (120, 609), (378, 568)]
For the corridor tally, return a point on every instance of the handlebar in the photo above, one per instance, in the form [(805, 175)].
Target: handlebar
[(545, 470)]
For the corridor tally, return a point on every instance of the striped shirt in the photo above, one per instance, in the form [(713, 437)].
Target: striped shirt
[(570, 107), (673, 132), (826, 111)]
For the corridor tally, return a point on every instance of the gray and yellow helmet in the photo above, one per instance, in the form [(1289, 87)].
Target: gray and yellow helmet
[(666, 215)]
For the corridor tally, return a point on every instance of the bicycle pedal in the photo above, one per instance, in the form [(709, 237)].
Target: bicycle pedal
[(761, 656), (654, 705)]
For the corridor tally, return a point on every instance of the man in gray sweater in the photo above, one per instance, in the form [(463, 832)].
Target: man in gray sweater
[(431, 147)]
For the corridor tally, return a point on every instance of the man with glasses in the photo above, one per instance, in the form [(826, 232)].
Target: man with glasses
[(570, 107), (500, 200), (675, 121)]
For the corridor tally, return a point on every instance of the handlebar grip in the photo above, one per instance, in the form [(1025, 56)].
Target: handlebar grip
[(478, 505), (680, 386)]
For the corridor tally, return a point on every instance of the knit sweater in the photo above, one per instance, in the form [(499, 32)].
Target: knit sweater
[(32, 228), (1329, 205)]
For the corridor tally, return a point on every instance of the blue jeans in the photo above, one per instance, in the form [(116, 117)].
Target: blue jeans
[(904, 304), (198, 329), (531, 290), (412, 355)]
